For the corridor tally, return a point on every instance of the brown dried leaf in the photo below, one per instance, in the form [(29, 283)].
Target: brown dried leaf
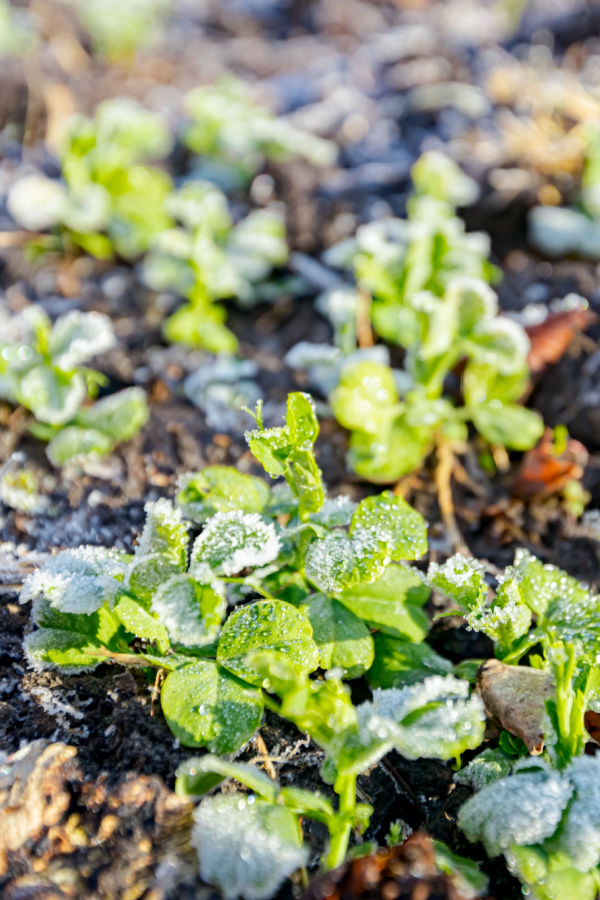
[(401, 873), (551, 338), (543, 472), (515, 697)]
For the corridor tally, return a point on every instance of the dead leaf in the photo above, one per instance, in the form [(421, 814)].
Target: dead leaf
[(543, 472), (551, 338), (515, 697), (406, 872), (592, 725)]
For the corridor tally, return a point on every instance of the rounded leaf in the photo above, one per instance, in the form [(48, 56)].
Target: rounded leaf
[(191, 612), (393, 520)]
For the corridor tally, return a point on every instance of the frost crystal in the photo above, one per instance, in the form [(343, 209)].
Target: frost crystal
[(77, 581), (336, 512), (488, 767), (580, 833), (164, 530), (246, 847), (77, 336), (339, 561), (231, 542), (522, 809), (191, 613)]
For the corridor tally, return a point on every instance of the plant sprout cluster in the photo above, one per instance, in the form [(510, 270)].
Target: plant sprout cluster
[(424, 281), (539, 811), (41, 369), (272, 606)]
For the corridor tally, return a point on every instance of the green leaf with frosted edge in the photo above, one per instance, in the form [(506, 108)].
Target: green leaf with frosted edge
[(139, 622), (68, 650), (301, 419), (191, 612), (53, 396), (148, 573), (338, 561), (270, 627), (392, 453), (120, 415), (288, 585), (398, 663), (541, 584), (482, 383), (392, 519), (164, 532), (221, 489), (342, 638), (508, 618), (271, 447), (206, 706), (74, 442), (461, 579), (198, 775), (365, 397), (391, 603), (508, 425), (103, 625)]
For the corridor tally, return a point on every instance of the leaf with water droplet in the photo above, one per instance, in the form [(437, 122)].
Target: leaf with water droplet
[(206, 706), (392, 602), (221, 489), (343, 640), (267, 627), (191, 612), (53, 648), (140, 622), (338, 561), (200, 774), (231, 542), (392, 519)]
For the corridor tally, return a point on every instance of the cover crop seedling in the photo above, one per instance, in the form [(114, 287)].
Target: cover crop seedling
[(41, 369), (308, 578)]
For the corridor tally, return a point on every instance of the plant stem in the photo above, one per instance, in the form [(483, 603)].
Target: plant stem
[(345, 787)]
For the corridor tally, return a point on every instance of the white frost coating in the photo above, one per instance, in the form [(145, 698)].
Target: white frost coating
[(231, 542), (336, 512), (77, 581), (522, 809), (333, 563), (488, 767), (440, 732), (78, 336), (37, 202), (176, 604), (164, 529), (34, 649), (580, 834), (238, 852)]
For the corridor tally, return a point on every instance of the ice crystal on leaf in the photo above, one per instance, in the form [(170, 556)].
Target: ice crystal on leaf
[(192, 613), (338, 561), (231, 542), (246, 846), (522, 809), (486, 768), (579, 835), (78, 581), (164, 532), (78, 336)]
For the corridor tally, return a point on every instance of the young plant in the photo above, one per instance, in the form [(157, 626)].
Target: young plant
[(234, 135), (543, 815), (117, 30), (424, 281), (326, 572), (207, 259), (41, 369), (109, 200)]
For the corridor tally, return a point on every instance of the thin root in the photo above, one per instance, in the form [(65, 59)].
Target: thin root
[(443, 476)]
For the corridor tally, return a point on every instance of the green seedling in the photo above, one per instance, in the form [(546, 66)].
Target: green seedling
[(117, 30), (234, 136), (109, 199), (326, 574), (207, 259), (41, 369), (541, 813)]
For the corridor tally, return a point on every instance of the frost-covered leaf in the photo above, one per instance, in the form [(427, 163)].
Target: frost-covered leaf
[(393, 603), (507, 618), (102, 626), (268, 627), (191, 612), (147, 573), (433, 718), (139, 622), (392, 520), (500, 343), (336, 512), (487, 767), (579, 835), (52, 396), (338, 561), (306, 479), (221, 489), (75, 443), (398, 663), (164, 532), (200, 774), (301, 419), (77, 336), (78, 581), (206, 706), (231, 542), (120, 415), (37, 202), (461, 579), (53, 648), (246, 846), (542, 585), (522, 809), (342, 638)]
